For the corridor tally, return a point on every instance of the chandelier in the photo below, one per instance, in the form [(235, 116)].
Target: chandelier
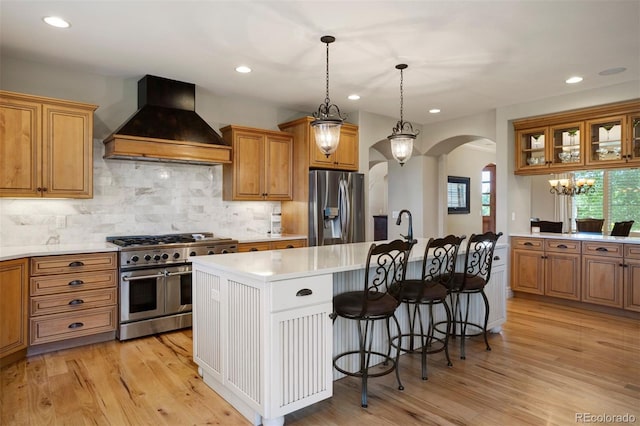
[(403, 134), (571, 187), (328, 118)]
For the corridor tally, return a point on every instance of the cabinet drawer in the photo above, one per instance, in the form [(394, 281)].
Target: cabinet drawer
[(304, 292), (562, 246), (527, 243), (51, 328), (258, 246), (499, 257), (602, 249), (71, 302), (73, 263), (285, 244), (66, 283), (632, 251)]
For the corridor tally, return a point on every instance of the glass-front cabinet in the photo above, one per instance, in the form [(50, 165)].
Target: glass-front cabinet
[(613, 140), (605, 136), (567, 145)]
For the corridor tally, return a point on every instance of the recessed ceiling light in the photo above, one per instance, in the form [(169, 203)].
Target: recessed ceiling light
[(434, 111), (353, 97), (243, 69), (612, 71), (56, 21), (573, 80)]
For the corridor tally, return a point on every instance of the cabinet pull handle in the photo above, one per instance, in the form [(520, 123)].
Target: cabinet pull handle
[(76, 302), (289, 246), (562, 246), (76, 264), (602, 249), (76, 325), (76, 282), (45, 189), (528, 243), (496, 258), (253, 249), (304, 292)]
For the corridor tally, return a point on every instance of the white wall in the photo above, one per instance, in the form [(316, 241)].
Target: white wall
[(468, 161)]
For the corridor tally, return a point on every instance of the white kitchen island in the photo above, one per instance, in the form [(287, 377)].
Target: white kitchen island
[(262, 335)]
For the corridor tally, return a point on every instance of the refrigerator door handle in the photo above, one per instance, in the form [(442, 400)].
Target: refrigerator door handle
[(344, 210)]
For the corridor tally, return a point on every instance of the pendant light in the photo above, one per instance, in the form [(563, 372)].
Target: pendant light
[(403, 134), (328, 119)]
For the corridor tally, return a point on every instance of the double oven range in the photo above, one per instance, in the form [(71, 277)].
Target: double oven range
[(155, 279)]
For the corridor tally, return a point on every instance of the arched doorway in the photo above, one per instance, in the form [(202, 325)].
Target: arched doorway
[(488, 194)]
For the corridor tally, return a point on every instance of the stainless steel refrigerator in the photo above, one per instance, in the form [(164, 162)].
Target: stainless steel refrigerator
[(336, 207)]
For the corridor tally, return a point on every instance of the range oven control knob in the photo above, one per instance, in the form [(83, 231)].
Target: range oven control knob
[(156, 257), (134, 258), (176, 255), (147, 257), (165, 256)]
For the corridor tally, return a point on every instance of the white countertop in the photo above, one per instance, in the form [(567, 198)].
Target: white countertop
[(17, 252), (276, 265), (583, 236)]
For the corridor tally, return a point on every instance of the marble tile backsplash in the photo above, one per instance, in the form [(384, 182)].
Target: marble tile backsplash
[(134, 198)]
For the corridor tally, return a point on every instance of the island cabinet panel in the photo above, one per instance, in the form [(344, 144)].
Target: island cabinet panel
[(14, 296)]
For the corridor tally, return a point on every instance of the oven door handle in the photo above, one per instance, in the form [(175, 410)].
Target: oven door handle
[(142, 277), (170, 274)]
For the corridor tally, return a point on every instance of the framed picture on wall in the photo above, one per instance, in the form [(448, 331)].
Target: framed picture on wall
[(458, 195)]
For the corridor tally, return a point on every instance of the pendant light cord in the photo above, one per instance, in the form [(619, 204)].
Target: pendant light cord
[(401, 97), (326, 99)]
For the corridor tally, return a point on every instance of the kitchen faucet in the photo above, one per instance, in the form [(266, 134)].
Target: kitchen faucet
[(409, 236)]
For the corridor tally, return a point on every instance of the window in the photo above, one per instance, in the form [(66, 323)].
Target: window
[(486, 193), (616, 197), (458, 193)]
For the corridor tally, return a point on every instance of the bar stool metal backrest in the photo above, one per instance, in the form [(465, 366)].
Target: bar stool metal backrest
[(386, 264), (438, 267), (476, 275)]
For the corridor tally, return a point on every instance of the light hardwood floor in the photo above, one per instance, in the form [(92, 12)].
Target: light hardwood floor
[(548, 364)]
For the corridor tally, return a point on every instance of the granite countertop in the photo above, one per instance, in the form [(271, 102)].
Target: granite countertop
[(582, 236), (17, 252)]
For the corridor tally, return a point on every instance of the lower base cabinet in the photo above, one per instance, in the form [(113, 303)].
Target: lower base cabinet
[(14, 296), (597, 272)]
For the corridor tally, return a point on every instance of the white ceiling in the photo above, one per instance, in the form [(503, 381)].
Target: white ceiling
[(464, 57)]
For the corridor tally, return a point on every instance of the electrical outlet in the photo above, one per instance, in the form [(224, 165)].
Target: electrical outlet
[(513, 215), (61, 222), (394, 214)]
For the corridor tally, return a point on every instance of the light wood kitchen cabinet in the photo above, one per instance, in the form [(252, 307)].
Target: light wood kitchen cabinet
[(602, 269), (72, 296), (631, 286), (262, 165), (47, 147), (579, 139), (14, 289), (546, 267), (346, 156), (271, 245), (614, 140)]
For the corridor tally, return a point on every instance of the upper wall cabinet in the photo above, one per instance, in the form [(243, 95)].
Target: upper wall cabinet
[(606, 136), (262, 165), (345, 157), (46, 146)]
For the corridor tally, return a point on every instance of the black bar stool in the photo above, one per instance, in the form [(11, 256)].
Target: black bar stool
[(438, 267), (473, 279), (386, 264)]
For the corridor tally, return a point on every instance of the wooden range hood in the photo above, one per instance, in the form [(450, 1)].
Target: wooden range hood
[(166, 128)]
